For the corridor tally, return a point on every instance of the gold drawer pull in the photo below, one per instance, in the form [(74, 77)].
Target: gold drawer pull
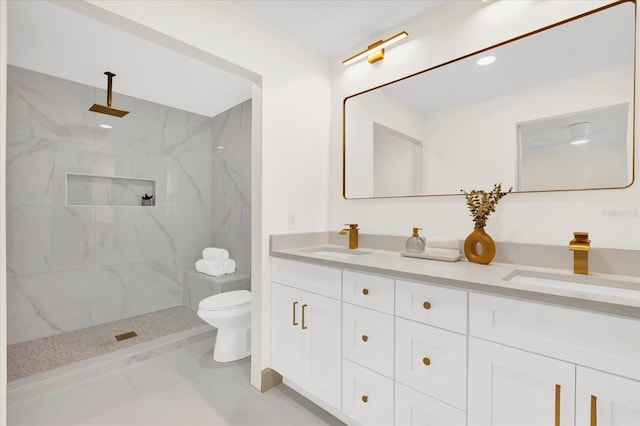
[(594, 411), (426, 361), (365, 337), (365, 291), (294, 313), (557, 423), (304, 327), (426, 305), (365, 398)]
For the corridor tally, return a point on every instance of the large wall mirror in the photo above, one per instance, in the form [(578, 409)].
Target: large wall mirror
[(554, 111)]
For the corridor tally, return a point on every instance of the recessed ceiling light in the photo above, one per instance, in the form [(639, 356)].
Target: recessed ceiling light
[(106, 126), (220, 147), (486, 60), (579, 141)]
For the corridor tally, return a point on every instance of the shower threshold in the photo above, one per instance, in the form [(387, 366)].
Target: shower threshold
[(48, 357)]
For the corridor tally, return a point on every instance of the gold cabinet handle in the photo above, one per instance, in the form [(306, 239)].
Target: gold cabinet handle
[(426, 305), (294, 313), (365, 337), (557, 422), (365, 398), (304, 327), (365, 291), (426, 361), (594, 411)]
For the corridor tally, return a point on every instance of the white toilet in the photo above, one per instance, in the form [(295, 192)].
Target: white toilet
[(230, 313)]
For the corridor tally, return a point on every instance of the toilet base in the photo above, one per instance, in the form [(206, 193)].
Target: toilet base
[(232, 344)]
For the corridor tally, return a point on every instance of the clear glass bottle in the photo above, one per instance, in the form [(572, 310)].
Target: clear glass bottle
[(415, 243)]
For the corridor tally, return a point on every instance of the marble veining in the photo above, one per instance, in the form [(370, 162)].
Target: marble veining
[(75, 266)]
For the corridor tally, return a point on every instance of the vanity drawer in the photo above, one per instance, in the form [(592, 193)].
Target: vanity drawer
[(429, 304), (605, 342), (432, 360), (307, 276), (369, 291), (367, 397), (367, 338), (416, 409)]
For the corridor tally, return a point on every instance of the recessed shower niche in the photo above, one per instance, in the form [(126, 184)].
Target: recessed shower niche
[(97, 190)]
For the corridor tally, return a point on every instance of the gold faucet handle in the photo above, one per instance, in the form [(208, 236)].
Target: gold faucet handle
[(580, 241), (352, 225)]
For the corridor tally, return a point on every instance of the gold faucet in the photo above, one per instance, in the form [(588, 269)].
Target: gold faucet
[(353, 234), (580, 247)]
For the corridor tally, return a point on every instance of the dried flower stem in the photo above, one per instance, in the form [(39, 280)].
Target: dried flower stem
[(481, 204)]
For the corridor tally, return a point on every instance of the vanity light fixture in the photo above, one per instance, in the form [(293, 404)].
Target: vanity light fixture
[(375, 51), (486, 60)]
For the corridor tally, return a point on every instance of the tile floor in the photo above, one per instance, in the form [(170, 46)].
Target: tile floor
[(48, 353), (184, 387)]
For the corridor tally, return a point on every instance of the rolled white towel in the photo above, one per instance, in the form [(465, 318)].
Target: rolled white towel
[(210, 267), (215, 254), (229, 266), (442, 242)]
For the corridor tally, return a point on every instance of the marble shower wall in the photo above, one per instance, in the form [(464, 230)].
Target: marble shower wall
[(231, 184), (71, 267)]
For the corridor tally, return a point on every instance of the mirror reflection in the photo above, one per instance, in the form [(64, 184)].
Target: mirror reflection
[(467, 125)]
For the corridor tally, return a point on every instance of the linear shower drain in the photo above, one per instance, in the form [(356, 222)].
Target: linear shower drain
[(127, 335)]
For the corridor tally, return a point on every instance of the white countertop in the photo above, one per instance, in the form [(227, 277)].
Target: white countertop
[(613, 294)]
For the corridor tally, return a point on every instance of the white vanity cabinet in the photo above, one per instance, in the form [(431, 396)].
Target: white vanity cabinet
[(387, 351), (604, 399), (305, 333)]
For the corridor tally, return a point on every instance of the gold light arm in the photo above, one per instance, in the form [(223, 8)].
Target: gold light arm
[(375, 48)]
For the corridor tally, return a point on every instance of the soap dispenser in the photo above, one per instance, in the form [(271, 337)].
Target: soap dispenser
[(415, 243)]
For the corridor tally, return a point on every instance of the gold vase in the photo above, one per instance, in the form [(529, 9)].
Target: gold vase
[(486, 244)]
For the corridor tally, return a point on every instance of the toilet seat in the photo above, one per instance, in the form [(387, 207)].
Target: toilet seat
[(225, 301)]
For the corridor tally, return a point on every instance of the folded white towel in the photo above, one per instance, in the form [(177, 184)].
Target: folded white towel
[(215, 254), (229, 266), (210, 267), (442, 242)]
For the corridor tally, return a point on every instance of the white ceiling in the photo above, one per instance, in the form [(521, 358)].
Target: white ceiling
[(51, 39)]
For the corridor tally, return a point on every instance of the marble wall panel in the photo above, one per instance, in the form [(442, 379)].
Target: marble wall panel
[(232, 165), (49, 238), (49, 107), (231, 229)]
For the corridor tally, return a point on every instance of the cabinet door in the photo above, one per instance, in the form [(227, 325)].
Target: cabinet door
[(511, 387), (321, 358), (606, 400), (286, 339)]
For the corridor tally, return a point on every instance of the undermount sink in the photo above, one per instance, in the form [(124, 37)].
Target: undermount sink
[(337, 252), (586, 283)]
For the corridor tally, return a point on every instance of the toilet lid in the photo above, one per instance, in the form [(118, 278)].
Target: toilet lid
[(227, 300)]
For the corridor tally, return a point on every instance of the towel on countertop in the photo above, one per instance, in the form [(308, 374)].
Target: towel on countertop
[(229, 266), (210, 267), (442, 243), (215, 254)]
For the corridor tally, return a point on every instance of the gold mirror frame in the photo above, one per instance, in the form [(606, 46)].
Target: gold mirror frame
[(548, 27)]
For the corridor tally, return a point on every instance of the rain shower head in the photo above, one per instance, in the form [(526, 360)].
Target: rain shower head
[(107, 109)]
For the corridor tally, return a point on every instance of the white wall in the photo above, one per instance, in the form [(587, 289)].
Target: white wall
[(611, 217)]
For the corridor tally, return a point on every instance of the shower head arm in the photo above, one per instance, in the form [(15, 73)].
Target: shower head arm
[(110, 76)]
